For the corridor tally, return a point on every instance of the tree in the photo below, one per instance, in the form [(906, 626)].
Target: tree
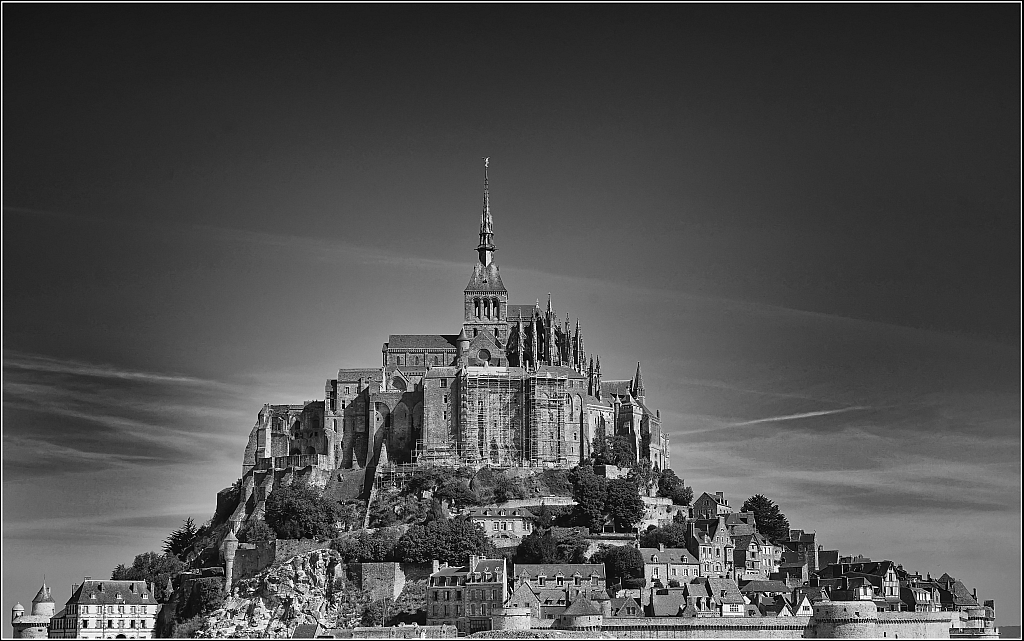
[(299, 511), (179, 542), (620, 451), (256, 531), (624, 564), (207, 595), (572, 545), (624, 504), (368, 548), (375, 613), (538, 548), (458, 492), (672, 487), (151, 567), (770, 521), (590, 492), (671, 536), (506, 489), (644, 475), (451, 541)]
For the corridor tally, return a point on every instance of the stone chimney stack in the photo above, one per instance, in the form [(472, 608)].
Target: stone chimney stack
[(435, 566), (661, 547)]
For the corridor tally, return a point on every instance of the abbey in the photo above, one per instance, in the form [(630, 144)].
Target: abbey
[(515, 386)]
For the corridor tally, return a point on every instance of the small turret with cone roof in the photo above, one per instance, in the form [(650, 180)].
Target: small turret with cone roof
[(43, 604)]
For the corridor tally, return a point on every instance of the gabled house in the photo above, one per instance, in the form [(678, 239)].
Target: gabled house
[(726, 595), (709, 542), (502, 522), (752, 557), (465, 596), (710, 506), (524, 597), (881, 574), (626, 607), (777, 607), (664, 567)]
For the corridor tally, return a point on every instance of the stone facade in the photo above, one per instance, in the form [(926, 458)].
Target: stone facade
[(101, 609)]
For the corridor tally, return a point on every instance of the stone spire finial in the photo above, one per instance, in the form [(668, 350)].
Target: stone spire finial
[(638, 384), (486, 247)]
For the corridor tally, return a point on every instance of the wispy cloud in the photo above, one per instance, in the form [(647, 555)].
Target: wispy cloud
[(794, 417), (38, 363)]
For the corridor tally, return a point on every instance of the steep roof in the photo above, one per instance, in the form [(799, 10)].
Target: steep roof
[(353, 375), (724, 590), (485, 279), (106, 592), (582, 606), (493, 511), (43, 595), (763, 586), (422, 341), (668, 605), (565, 569), (668, 555), (489, 565), (513, 312), (618, 388), (558, 370)]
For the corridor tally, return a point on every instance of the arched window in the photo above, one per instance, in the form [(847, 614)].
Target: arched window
[(497, 309), (476, 306)]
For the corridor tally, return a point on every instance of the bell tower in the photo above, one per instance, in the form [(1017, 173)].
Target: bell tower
[(485, 297)]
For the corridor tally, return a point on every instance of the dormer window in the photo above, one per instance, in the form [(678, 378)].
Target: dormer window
[(654, 559)]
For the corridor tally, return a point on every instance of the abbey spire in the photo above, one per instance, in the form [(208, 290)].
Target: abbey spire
[(486, 248)]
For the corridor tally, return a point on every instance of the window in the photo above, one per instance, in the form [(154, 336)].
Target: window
[(85, 624), (143, 623), (444, 383), (483, 609), (494, 525)]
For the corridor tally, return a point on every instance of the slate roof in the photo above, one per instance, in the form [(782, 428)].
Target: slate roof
[(438, 371), (725, 590), (305, 631), (489, 565), (558, 370), (961, 595), (106, 593), (763, 586), (619, 604), (513, 312), (353, 375), (533, 570), (582, 606), (32, 619), (668, 605), (485, 279), (493, 511), (827, 558), (668, 555), (523, 594), (618, 388), (43, 595), (551, 596), (422, 341)]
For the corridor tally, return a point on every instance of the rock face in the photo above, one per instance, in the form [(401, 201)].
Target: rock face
[(308, 588)]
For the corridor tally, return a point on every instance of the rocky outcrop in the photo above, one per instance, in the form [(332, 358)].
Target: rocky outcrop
[(307, 588)]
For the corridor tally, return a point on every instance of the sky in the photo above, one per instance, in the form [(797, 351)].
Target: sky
[(803, 220)]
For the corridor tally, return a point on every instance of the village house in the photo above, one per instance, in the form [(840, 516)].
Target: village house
[(881, 575), (107, 609), (664, 567), (558, 584), (752, 557), (710, 543), (711, 506), (501, 522), (465, 596)]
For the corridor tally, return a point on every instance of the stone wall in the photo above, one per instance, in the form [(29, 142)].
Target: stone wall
[(884, 625), (690, 628), (252, 558), (379, 580)]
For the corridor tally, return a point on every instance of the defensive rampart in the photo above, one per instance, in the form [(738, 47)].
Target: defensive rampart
[(832, 623)]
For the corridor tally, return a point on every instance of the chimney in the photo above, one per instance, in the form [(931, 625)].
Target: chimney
[(974, 592), (435, 566), (661, 547)]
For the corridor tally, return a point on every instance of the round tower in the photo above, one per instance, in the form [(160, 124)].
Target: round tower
[(845, 620), (229, 546), (35, 624)]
